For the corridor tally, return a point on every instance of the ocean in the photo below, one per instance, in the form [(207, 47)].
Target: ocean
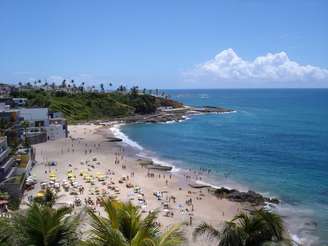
[(276, 143)]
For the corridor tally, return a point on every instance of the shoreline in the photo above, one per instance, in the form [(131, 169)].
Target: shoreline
[(279, 207), (75, 155), (211, 206), (205, 180)]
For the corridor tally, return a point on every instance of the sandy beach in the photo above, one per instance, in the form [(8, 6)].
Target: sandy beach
[(91, 166)]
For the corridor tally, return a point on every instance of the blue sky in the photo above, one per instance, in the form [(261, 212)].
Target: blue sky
[(166, 44)]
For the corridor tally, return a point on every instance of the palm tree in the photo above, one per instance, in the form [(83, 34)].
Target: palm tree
[(102, 88), (63, 85), (40, 226), (121, 88), (256, 229), (5, 232), (134, 91), (123, 226)]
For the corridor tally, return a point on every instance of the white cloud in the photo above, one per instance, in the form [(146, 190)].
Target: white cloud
[(228, 66)]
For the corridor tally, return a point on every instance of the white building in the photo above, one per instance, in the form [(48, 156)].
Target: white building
[(41, 121), (37, 117)]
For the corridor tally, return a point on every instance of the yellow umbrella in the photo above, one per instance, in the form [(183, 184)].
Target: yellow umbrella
[(40, 194)]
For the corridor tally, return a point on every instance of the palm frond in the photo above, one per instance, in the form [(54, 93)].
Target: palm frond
[(206, 229), (232, 235), (173, 236), (43, 225)]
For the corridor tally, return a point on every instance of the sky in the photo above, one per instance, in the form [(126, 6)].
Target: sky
[(166, 44)]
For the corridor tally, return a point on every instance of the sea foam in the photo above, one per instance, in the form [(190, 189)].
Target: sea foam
[(119, 134)]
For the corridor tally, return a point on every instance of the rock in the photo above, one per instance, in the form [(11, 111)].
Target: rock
[(198, 186), (113, 139), (159, 167), (148, 163), (249, 196), (272, 200), (145, 162)]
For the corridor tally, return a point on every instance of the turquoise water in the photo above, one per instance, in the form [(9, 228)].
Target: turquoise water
[(275, 143)]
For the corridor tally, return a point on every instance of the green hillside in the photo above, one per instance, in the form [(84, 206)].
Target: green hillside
[(94, 105)]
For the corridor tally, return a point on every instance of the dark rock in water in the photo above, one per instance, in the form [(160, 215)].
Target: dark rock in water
[(113, 139), (249, 196), (272, 200), (148, 163), (198, 186), (159, 167), (209, 109), (145, 162)]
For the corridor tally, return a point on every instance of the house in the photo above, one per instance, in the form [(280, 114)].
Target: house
[(7, 101), (19, 102), (5, 89), (4, 107), (43, 125), (37, 117), (9, 115)]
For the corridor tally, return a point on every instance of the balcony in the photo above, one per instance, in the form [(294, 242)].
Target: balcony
[(4, 154), (8, 164)]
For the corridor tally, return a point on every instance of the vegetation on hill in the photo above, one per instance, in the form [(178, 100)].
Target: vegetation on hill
[(95, 105)]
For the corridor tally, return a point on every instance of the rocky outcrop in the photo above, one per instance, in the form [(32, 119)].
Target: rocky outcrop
[(173, 114), (239, 196), (211, 109), (149, 164)]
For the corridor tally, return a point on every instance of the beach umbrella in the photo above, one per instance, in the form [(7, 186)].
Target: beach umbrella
[(40, 194)]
